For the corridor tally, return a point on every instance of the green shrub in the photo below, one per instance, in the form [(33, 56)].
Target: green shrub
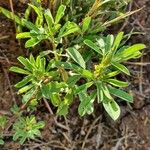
[(75, 33)]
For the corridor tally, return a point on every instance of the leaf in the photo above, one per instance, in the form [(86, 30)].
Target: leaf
[(92, 46), (25, 88), (23, 82), (19, 70), (64, 105), (30, 25), (111, 74), (60, 13), (32, 42), (117, 83), (73, 79), (109, 43), (26, 63), (28, 95), (86, 23), (101, 44), (23, 35), (86, 105), (85, 73), (118, 40), (2, 142), (11, 15), (113, 109), (121, 94), (62, 109), (121, 67), (55, 99), (38, 11), (49, 17), (83, 87), (132, 49), (68, 28), (52, 88), (76, 56), (49, 20), (106, 92), (100, 94)]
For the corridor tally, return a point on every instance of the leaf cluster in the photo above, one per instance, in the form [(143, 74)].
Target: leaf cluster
[(81, 63)]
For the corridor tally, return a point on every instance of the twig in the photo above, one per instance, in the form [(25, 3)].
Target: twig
[(126, 21), (141, 78), (4, 37), (89, 131), (12, 9), (138, 63), (51, 112), (3, 60), (10, 87)]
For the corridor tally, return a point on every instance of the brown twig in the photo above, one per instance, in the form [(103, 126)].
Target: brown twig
[(12, 9), (10, 87), (138, 63), (51, 112), (89, 131)]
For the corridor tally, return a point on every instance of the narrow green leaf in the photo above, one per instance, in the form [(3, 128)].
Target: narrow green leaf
[(76, 56), (38, 10), (109, 43), (23, 35), (92, 46), (19, 70), (111, 74), (55, 99), (106, 92), (117, 83), (86, 105), (62, 109), (25, 89), (31, 43), (30, 25), (85, 73), (73, 79), (11, 15), (32, 60), (101, 44), (68, 28), (86, 23), (100, 94), (28, 95), (121, 67), (113, 109), (49, 20), (132, 49), (23, 82), (118, 40), (60, 13), (25, 62), (121, 94), (83, 87), (53, 87), (70, 31)]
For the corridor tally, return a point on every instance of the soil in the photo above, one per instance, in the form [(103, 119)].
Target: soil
[(94, 132)]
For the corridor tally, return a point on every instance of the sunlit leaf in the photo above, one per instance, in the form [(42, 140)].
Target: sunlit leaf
[(121, 67), (121, 94), (76, 56), (117, 83), (60, 13), (92, 46), (113, 109)]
